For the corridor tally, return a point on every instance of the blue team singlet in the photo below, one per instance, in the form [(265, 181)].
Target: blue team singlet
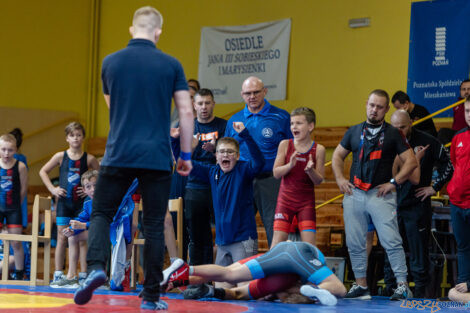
[(10, 189)]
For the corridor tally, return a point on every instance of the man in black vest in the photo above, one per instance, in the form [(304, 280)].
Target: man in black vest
[(370, 192)]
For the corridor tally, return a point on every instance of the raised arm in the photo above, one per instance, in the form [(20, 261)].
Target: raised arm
[(337, 164), (257, 158), (316, 173), (185, 110)]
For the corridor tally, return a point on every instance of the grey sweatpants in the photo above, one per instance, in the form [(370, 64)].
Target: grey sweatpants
[(234, 252), (383, 213)]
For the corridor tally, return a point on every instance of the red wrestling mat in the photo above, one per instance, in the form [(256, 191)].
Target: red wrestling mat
[(18, 301)]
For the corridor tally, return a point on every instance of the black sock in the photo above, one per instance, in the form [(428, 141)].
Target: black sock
[(219, 293)]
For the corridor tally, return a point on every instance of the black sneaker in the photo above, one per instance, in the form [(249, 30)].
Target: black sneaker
[(358, 292), (402, 292), (198, 292)]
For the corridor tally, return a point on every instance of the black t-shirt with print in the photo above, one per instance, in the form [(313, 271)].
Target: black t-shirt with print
[(394, 143)]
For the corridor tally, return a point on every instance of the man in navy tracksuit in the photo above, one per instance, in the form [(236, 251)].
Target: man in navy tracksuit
[(231, 183)]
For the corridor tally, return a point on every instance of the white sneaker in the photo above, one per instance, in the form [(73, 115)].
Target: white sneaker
[(322, 295), (65, 283), (402, 292), (58, 275)]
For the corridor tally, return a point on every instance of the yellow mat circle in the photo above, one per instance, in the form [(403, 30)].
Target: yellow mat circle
[(17, 300)]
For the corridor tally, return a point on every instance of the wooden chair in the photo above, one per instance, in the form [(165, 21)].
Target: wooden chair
[(42, 205), (174, 205)]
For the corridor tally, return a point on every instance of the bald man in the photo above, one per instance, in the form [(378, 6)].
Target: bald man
[(268, 125), (401, 101), (414, 196)]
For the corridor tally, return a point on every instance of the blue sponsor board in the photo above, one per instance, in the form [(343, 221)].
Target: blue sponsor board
[(439, 57)]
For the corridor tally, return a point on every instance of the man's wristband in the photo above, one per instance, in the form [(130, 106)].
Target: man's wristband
[(393, 182), (185, 156)]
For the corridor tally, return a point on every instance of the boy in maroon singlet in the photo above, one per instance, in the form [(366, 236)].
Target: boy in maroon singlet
[(300, 163)]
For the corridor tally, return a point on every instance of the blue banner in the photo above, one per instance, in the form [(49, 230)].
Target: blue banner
[(439, 57)]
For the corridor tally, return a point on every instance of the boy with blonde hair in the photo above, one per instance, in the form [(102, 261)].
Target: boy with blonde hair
[(73, 163), (300, 162), (13, 188)]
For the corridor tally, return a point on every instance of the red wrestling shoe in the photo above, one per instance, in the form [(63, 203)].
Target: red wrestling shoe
[(176, 275)]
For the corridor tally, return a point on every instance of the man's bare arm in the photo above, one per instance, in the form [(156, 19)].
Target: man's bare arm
[(337, 164), (409, 164)]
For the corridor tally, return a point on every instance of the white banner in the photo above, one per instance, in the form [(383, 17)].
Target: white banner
[(228, 55)]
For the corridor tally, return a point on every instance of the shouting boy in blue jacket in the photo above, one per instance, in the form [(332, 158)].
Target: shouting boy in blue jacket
[(231, 183)]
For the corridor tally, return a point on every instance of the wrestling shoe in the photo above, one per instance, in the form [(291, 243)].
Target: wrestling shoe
[(154, 305), (176, 275), (198, 292), (402, 292), (322, 295), (358, 292), (65, 283), (94, 280)]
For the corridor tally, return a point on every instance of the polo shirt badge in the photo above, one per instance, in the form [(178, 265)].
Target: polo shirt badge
[(267, 132), (460, 145)]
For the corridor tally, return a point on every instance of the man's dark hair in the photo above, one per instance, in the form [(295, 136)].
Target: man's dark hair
[(204, 92), (380, 93), (401, 96), (465, 81), (192, 80), (18, 136)]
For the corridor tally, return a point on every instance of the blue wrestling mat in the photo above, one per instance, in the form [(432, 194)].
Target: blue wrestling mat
[(44, 299)]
